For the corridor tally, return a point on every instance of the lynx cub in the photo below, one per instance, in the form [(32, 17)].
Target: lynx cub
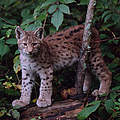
[(42, 56)]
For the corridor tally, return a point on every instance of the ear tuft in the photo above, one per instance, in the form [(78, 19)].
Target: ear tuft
[(19, 32), (39, 33)]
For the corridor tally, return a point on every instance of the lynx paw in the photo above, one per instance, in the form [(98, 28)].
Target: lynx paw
[(96, 92), (19, 103), (43, 103)]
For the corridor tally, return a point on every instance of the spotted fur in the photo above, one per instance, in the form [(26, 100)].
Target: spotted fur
[(42, 56)]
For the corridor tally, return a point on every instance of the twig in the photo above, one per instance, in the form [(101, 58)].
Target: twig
[(117, 38), (6, 21), (18, 78), (44, 23)]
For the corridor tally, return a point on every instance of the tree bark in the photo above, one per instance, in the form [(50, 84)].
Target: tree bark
[(82, 65), (60, 110)]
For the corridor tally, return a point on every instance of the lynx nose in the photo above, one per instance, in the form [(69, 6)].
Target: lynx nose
[(30, 49)]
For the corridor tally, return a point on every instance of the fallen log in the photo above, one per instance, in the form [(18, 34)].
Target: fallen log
[(60, 110)]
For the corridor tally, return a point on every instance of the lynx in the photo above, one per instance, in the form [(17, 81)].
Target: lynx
[(41, 56)]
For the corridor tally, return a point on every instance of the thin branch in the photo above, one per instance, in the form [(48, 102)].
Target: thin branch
[(104, 40), (6, 21), (44, 23)]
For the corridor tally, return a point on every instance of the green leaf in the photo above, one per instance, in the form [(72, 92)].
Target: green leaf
[(3, 112), (57, 19), (8, 33), (92, 107), (9, 2), (116, 77), (84, 2), (64, 8), (99, 5), (107, 18), (36, 11), (115, 2), (67, 1), (112, 65), (9, 26), (105, 13), (113, 95), (4, 49), (109, 104), (117, 103), (115, 114), (3, 67), (16, 114), (52, 30), (110, 55), (117, 108), (41, 17), (116, 42), (116, 87), (2, 39), (52, 9), (17, 107), (16, 65), (28, 21), (2, 80), (25, 12), (39, 118), (32, 27), (94, 103), (12, 21), (47, 3), (115, 18), (17, 52), (119, 99), (33, 119), (11, 41)]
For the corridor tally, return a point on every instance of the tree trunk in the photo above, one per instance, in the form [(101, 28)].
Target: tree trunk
[(82, 65)]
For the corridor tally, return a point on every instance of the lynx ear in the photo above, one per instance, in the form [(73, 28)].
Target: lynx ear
[(19, 32), (39, 33)]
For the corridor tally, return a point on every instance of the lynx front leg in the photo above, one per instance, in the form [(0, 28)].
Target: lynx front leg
[(46, 76), (27, 84)]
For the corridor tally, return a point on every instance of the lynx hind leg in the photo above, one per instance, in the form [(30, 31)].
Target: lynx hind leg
[(87, 82), (102, 72)]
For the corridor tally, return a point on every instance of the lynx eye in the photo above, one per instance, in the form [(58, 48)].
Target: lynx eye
[(25, 44), (34, 44)]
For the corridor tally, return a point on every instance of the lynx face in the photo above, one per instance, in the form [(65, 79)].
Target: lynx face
[(29, 45)]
